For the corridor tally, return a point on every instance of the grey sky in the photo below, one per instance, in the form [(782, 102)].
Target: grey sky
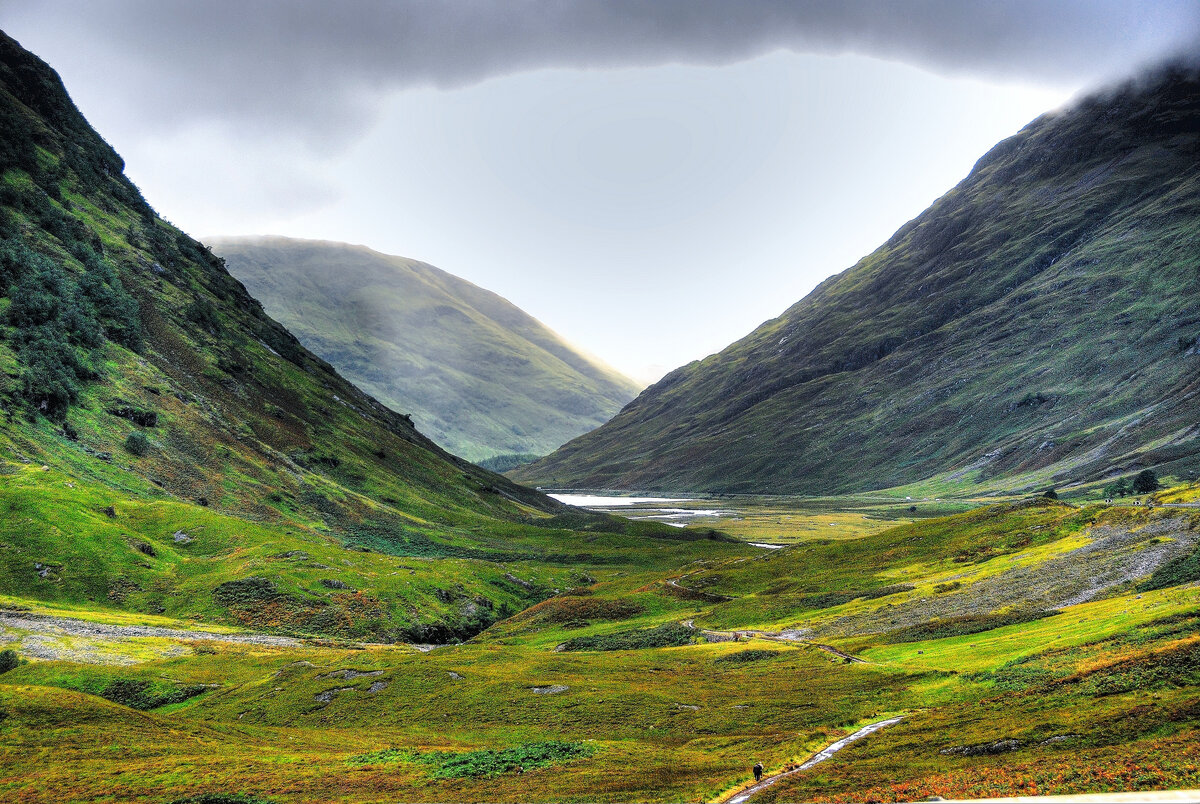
[(652, 179)]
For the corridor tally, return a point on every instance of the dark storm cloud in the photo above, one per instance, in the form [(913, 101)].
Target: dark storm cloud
[(319, 65)]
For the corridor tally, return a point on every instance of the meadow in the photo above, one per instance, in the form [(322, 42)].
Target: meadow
[(996, 700)]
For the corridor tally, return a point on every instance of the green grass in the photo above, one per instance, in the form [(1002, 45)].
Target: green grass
[(665, 723)]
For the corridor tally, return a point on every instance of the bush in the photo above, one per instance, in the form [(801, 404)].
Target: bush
[(8, 660), (1145, 482), (964, 625), (827, 600), (1050, 494), (137, 444), (665, 636), (1119, 489), (61, 318), (138, 694), (744, 656)]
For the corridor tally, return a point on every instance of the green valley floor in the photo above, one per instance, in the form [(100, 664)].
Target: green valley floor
[(1030, 648)]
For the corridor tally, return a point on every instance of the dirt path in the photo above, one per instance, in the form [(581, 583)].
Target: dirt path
[(822, 755), (43, 636)]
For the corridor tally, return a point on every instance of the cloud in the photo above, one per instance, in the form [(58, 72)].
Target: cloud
[(318, 68)]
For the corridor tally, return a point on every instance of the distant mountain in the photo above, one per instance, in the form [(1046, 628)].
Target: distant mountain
[(1037, 325), (478, 375)]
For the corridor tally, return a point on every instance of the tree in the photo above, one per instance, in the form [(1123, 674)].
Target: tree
[(1145, 482), (1050, 494), (1119, 489), (8, 660)]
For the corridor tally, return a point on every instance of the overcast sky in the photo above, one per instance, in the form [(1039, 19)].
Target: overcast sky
[(650, 179)]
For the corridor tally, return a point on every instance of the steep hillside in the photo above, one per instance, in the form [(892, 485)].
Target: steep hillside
[(1036, 325), (478, 375), (167, 447)]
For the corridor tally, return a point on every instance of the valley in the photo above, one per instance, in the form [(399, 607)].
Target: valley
[(230, 575), (995, 699)]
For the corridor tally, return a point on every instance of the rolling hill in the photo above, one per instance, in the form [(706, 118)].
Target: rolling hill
[(1036, 326), (478, 375), (166, 447)]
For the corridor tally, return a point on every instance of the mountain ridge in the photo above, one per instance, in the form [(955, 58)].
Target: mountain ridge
[(478, 374), (1072, 204), (167, 448)]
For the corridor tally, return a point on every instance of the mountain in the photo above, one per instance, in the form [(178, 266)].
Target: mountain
[(1036, 325), (478, 375), (167, 447)]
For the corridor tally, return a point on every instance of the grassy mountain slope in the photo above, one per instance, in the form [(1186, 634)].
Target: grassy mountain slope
[(477, 374), (1036, 325), (167, 447)]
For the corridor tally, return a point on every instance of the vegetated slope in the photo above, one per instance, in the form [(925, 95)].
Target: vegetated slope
[(478, 375), (1089, 684), (167, 447), (1037, 324)]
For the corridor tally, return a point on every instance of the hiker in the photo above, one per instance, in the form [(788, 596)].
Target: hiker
[(758, 771)]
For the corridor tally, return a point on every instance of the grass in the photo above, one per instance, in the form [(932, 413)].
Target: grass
[(660, 723)]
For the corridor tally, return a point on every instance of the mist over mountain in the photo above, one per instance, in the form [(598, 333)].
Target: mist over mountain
[(1036, 325), (478, 375)]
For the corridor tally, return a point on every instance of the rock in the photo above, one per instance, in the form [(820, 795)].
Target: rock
[(455, 676), (349, 674), (378, 686), (182, 538), (334, 583), (984, 749), (553, 689), (143, 547), (327, 696), (508, 576), (109, 512)]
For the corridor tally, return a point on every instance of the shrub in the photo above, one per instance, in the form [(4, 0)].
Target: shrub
[(1145, 482), (967, 624), (8, 660), (60, 318), (1050, 494), (137, 694), (664, 636), (827, 600), (1119, 489), (137, 444), (744, 656)]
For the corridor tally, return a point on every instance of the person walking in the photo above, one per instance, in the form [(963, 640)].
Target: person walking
[(758, 770)]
